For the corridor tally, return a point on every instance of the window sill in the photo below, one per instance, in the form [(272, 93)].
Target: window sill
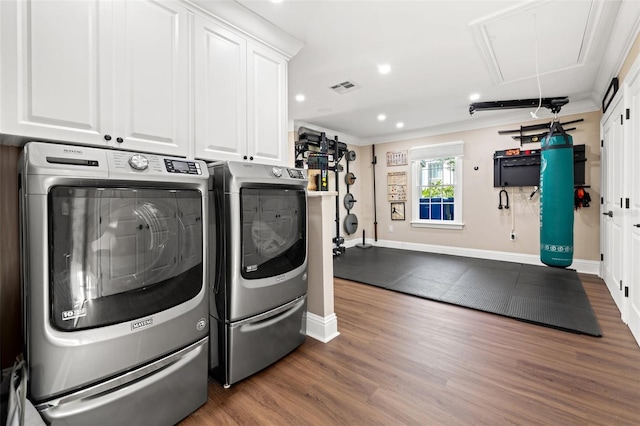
[(437, 224)]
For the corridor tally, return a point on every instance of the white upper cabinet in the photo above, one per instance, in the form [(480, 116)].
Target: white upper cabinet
[(150, 68), (96, 72), (51, 70), (241, 97), (220, 92), (267, 106), (159, 76)]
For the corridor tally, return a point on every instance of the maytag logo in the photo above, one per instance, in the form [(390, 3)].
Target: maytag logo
[(72, 151), (73, 313), (142, 323)]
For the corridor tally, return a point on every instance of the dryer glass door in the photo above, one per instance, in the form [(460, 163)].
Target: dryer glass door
[(120, 254), (274, 226)]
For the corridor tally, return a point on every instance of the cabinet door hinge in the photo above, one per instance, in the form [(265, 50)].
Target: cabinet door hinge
[(626, 292), (628, 113), (620, 202), (620, 285), (601, 200), (601, 257), (601, 143), (621, 119), (626, 203)]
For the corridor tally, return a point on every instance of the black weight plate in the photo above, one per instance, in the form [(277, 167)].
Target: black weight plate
[(350, 178), (351, 156), (350, 223), (348, 201)]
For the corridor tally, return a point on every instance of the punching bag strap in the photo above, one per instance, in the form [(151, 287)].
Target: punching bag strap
[(556, 128)]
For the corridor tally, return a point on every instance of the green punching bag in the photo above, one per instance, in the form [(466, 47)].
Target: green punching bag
[(556, 198)]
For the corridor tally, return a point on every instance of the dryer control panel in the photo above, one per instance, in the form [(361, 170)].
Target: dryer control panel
[(180, 166)]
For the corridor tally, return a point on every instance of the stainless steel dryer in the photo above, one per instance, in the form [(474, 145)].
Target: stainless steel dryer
[(258, 294), (115, 301)]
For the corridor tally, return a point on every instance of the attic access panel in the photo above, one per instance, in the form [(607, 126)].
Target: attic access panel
[(516, 167), (533, 26)]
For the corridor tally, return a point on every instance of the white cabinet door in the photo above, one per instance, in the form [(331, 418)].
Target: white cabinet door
[(97, 72), (611, 223), (51, 70), (241, 97), (633, 280), (220, 92), (150, 69), (267, 106)]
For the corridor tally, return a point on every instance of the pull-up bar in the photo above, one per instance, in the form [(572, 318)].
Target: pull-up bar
[(554, 104)]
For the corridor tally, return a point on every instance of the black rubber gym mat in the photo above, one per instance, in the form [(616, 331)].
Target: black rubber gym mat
[(552, 297)]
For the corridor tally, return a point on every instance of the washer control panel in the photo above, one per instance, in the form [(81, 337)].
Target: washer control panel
[(138, 161), (296, 174), (180, 166)]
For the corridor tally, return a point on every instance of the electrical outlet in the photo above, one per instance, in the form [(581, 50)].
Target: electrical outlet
[(390, 228), (512, 237)]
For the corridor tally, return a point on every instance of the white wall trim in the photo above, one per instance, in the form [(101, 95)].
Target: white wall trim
[(580, 265), (322, 328)]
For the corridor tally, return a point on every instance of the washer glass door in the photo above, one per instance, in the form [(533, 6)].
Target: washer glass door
[(120, 254)]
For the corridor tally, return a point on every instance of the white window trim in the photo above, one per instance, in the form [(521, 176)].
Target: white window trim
[(449, 149)]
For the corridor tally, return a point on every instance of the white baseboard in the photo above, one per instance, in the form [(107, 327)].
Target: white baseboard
[(583, 266), (322, 328)]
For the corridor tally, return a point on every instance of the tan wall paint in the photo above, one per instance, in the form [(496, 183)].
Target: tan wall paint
[(486, 227)]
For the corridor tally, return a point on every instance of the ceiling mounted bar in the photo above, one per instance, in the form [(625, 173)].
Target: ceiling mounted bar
[(553, 104), (542, 126), (535, 138)]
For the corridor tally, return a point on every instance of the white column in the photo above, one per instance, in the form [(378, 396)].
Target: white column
[(322, 323)]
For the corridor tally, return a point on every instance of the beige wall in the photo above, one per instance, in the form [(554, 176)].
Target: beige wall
[(486, 227)]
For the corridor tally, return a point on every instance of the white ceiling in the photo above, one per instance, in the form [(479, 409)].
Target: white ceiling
[(439, 52)]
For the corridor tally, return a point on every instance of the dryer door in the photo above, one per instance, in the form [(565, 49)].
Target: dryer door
[(274, 226)]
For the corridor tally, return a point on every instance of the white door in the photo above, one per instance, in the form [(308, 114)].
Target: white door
[(51, 77), (633, 281), (267, 105), (612, 157), (150, 69), (220, 92)]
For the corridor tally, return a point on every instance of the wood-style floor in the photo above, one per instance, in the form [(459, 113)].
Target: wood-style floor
[(405, 360)]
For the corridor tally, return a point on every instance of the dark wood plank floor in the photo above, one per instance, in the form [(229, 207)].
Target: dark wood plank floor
[(404, 360)]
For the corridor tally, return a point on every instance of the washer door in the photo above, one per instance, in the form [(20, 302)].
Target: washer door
[(118, 254)]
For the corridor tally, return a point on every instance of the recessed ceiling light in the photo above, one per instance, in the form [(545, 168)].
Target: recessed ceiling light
[(300, 97), (399, 124), (382, 117), (384, 68), (474, 96)]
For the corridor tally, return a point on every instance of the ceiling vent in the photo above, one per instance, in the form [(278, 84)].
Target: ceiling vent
[(344, 87)]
